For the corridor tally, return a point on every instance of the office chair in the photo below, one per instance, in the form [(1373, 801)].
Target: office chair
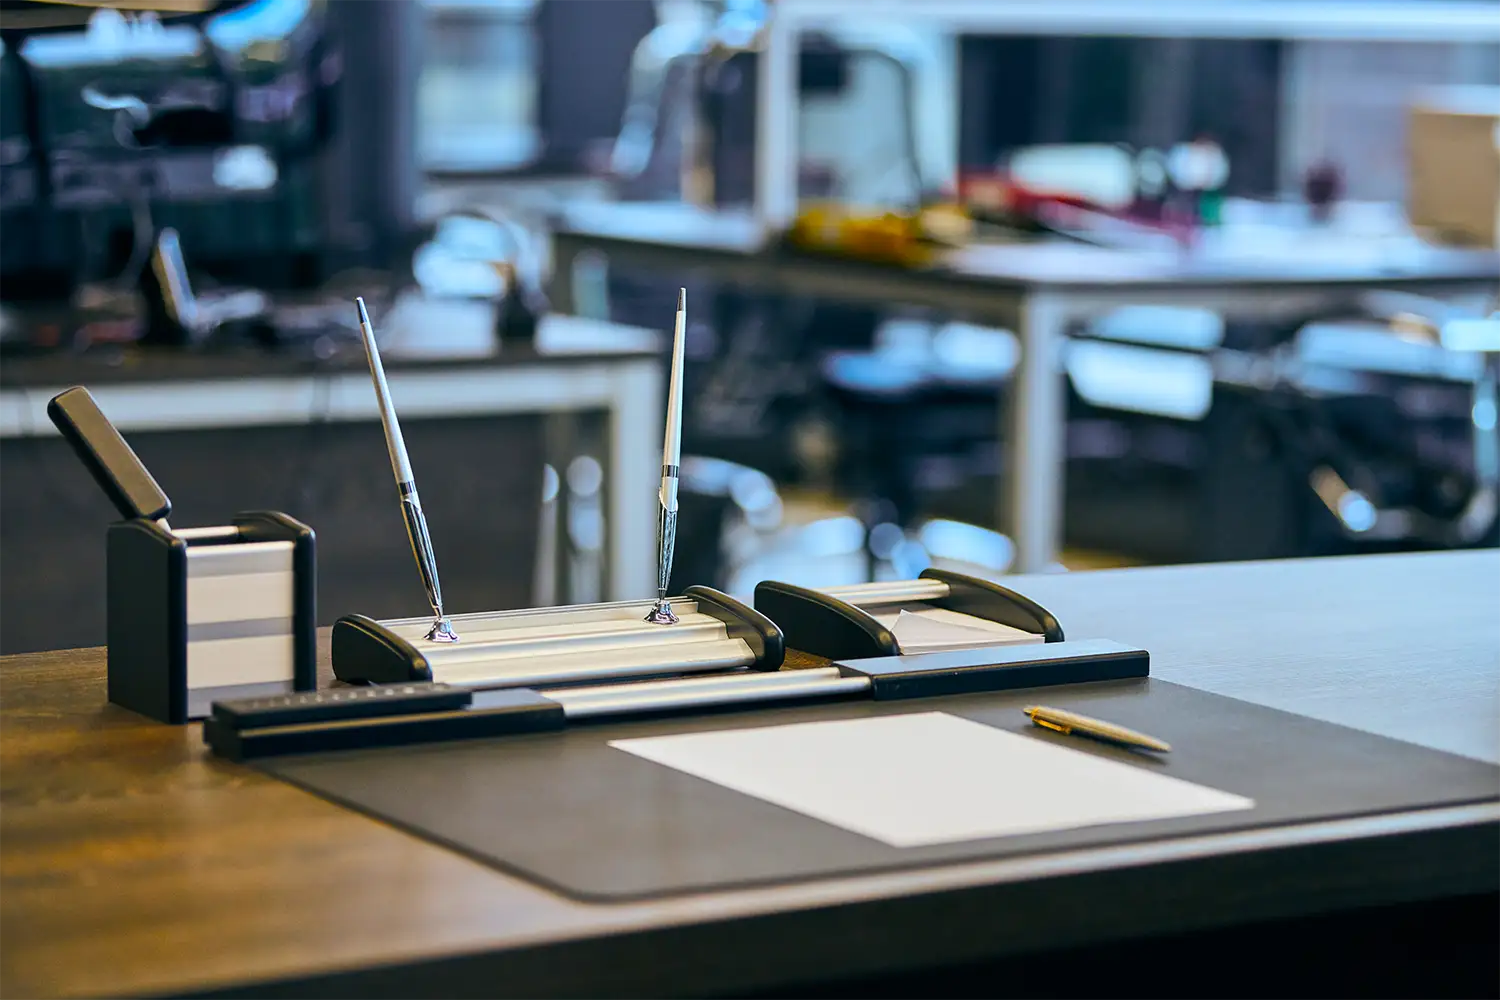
[(916, 425), (1360, 429)]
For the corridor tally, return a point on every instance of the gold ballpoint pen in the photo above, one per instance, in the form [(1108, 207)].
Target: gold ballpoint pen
[(1071, 723)]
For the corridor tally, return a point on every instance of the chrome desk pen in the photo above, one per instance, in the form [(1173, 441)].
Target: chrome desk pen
[(671, 459), (411, 505)]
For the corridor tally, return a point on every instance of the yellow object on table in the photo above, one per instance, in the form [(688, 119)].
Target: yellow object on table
[(907, 239)]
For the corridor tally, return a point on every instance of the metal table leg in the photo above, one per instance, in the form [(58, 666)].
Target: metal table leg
[(561, 434), (633, 471), (1037, 425), (560, 291)]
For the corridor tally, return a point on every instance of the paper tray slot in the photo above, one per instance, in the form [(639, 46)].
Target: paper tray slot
[(986, 599), (840, 623), (890, 593), (547, 640), (574, 666), (561, 645)]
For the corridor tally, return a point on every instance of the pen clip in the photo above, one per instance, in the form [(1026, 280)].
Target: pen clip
[(1056, 727)]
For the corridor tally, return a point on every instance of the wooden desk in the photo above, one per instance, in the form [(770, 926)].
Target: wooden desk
[(133, 862), (1037, 290)]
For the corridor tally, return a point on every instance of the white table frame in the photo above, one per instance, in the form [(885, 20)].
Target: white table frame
[(628, 390)]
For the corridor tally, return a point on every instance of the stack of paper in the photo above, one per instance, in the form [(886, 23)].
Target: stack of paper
[(930, 778), (932, 629)]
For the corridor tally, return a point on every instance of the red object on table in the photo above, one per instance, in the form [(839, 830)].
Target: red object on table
[(997, 194)]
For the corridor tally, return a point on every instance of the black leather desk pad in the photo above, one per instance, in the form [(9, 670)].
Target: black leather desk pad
[(566, 810)]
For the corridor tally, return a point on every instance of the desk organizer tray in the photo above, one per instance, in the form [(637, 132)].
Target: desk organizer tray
[(578, 644), (846, 623), (987, 637), (573, 810)]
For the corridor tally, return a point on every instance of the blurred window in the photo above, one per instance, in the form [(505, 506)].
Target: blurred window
[(477, 92), (1348, 102)]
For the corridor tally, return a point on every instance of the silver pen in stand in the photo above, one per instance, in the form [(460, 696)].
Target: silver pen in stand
[(411, 505), (671, 458)]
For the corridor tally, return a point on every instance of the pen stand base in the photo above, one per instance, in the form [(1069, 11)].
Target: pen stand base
[(206, 614), (568, 645)]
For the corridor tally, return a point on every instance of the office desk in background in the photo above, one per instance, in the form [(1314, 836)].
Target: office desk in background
[(776, 121), (1037, 290), (225, 433), (133, 862)]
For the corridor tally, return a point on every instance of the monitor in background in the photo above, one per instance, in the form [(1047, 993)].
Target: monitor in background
[(1144, 92), (206, 126), (1282, 110), (271, 135)]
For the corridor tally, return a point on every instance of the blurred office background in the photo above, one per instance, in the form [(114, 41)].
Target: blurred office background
[(1252, 240)]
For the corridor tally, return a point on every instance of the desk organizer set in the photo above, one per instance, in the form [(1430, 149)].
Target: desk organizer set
[(195, 615), (226, 617), (497, 672), (535, 670)]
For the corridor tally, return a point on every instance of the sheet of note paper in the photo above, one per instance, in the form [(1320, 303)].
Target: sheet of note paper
[(930, 629), (929, 778)]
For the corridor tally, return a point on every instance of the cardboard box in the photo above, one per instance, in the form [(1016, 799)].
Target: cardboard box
[(1453, 190)]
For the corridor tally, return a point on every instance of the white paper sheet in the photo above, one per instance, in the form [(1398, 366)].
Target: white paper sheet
[(929, 778), (931, 629)]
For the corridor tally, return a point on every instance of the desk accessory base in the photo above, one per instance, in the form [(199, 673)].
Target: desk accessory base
[(998, 668), (505, 713), (359, 718)]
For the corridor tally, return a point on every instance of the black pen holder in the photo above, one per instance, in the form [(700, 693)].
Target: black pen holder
[(199, 615)]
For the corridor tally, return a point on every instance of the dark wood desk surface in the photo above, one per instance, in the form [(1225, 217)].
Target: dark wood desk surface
[(133, 862), (1325, 260)]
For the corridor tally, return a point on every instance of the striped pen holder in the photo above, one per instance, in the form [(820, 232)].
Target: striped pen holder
[(198, 615)]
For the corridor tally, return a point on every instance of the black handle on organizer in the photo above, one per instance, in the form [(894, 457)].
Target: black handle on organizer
[(114, 466), (743, 622), (817, 623), (981, 598)]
